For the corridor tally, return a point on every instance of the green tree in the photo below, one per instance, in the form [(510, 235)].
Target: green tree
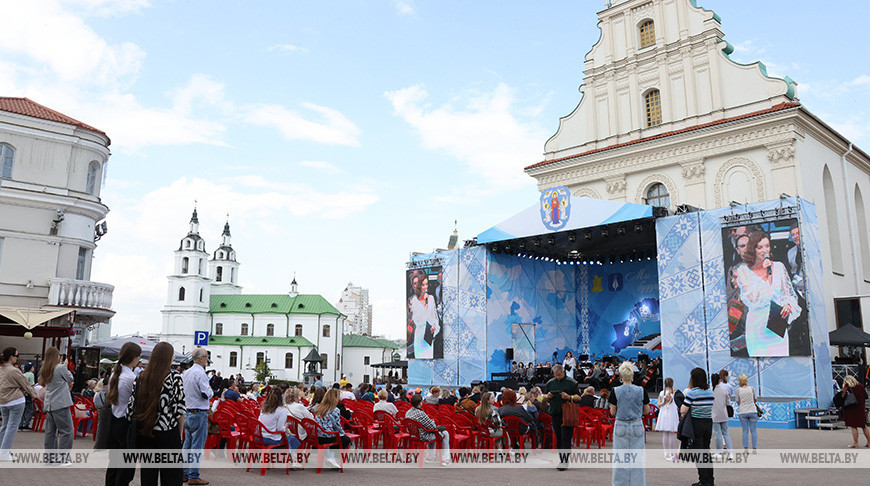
[(263, 371)]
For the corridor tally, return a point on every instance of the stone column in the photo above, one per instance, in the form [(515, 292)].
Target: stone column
[(782, 167), (693, 180)]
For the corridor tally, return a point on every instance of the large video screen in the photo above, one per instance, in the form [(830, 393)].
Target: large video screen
[(425, 332), (767, 310)]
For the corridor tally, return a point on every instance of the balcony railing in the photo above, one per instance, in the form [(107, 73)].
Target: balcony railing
[(66, 292)]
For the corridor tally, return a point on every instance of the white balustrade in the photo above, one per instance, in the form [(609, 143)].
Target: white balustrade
[(67, 292)]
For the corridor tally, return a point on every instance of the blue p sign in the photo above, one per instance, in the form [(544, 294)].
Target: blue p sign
[(200, 338)]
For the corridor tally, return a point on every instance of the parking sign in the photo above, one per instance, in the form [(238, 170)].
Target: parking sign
[(200, 338)]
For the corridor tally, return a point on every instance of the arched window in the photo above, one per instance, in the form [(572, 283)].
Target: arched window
[(337, 361), (323, 356), (261, 357), (244, 329), (219, 328), (647, 34), (298, 330), (833, 220), (7, 157), (93, 178), (234, 359), (184, 263), (219, 274), (326, 330), (657, 196), (232, 275), (288, 360), (201, 293), (653, 104), (270, 329), (187, 244), (199, 260), (181, 294), (863, 237)]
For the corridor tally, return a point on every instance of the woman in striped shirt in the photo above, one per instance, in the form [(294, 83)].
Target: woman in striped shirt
[(699, 403)]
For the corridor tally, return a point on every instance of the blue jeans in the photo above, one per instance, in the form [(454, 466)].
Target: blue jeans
[(748, 422), (28, 411), (195, 433), (720, 431), (292, 441), (11, 420), (629, 436)]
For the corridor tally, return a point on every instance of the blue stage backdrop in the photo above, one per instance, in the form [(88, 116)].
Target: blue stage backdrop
[(619, 304)]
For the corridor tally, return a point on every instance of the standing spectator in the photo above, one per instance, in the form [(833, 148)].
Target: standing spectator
[(197, 392), (628, 403), (418, 415), (721, 401), (318, 381), (13, 388), (668, 419), (855, 413), (57, 380), (561, 389), (157, 404), (118, 396), (747, 412), (27, 417), (699, 404), (215, 381)]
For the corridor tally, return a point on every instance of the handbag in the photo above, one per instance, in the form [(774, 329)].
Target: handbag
[(758, 409), (686, 428), (849, 400), (730, 410), (570, 414)]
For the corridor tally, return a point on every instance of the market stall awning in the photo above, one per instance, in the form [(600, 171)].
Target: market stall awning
[(571, 213), (849, 335), (31, 317), (113, 348)]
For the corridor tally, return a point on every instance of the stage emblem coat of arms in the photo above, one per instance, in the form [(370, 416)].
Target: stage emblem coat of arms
[(555, 207)]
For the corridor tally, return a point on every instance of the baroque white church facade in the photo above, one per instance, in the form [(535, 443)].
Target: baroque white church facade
[(667, 118), (246, 329)]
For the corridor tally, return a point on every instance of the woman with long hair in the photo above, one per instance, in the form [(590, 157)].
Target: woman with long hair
[(488, 416), (273, 416), (117, 397), (57, 380), (14, 387), (668, 420), (157, 405), (423, 315), (316, 398), (747, 412), (327, 415), (854, 413), (699, 405)]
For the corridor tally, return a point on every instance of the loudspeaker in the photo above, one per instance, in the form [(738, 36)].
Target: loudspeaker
[(509, 353)]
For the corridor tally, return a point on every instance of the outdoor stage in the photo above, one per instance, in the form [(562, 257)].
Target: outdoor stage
[(610, 279)]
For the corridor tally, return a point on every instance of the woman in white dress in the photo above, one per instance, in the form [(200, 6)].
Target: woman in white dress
[(668, 419), (423, 313), (762, 281), (569, 363)]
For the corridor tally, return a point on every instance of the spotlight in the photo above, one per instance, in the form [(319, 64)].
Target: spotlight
[(507, 249), (638, 227), (605, 233), (572, 238), (537, 242), (588, 235), (551, 241), (522, 245), (613, 260), (620, 230), (574, 252)]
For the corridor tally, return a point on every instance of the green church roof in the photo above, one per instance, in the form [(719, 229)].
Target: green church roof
[(296, 341), (355, 341), (271, 304)]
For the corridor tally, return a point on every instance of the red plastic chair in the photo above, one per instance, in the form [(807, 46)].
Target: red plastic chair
[(514, 425), (414, 430), (313, 430), (549, 433), (484, 438), (458, 437), (354, 431), (90, 421), (257, 443), (394, 437)]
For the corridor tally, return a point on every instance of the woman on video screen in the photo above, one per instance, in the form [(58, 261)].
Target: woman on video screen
[(424, 316)]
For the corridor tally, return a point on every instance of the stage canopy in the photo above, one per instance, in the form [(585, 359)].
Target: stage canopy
[(849, 335), (569, 213)]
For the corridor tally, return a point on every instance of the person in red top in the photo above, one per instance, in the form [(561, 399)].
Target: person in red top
[(854, 414)]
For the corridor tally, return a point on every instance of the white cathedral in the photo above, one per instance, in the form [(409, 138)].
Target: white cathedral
[(247, 329)]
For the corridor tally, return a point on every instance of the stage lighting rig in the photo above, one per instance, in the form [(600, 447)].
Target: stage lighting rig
[(638, 228), (572, 238), (551, 241), (620, 231), (588, 235), (605, 233)]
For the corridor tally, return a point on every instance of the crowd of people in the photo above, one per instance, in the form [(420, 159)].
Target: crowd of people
[(600, 374)]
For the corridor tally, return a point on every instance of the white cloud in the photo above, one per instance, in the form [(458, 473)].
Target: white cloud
[(862, 80), (333, 128), (288, 49), (404, 7), (107, 8), (321, 166), (484, 131)]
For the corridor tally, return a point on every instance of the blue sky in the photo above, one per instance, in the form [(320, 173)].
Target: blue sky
[(340, 136)]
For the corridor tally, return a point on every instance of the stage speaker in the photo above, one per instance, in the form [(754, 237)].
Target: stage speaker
[(509, 354)]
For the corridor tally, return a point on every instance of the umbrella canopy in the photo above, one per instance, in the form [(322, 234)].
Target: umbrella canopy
[(113, 347), (849, 335)]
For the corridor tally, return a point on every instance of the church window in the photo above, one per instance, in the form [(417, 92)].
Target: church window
[(184, 262), (232, 275), (7, 156), (337, 361), (199, 260), (181, 294), (298, 330), (653, 105), (324, 364), (367, 360), (863, 237), (270, 329), (234, 359), (657, 196), (93, 177), (647, 34), (261, 357), (326, 330), (833, 217), (201, 294), (187, 244), (219, 328), (219, 274), (244, 329), (81, 267), (288, 360)]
